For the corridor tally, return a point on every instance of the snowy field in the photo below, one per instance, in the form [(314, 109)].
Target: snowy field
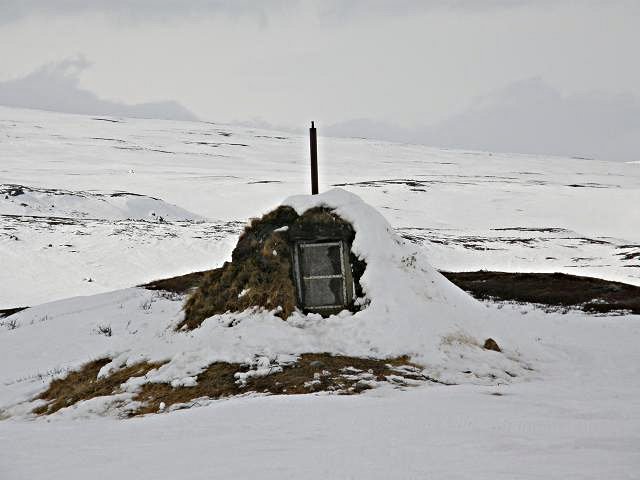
[(94, 206), (577, 415), (469, 210)]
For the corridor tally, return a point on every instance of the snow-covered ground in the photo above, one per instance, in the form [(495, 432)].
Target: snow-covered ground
[(469, 210), (570, 411), (21, 201), (437, 324), (577, 415)]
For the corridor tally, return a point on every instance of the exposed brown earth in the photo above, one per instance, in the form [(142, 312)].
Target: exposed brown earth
[(84, 384), (10, 311), (553, 289), (491, 344), (312, 372), (181, 284)]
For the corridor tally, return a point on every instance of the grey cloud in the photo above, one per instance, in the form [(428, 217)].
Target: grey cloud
[(55, 87), (145, 10), (341, 8), (139, 10), (528, 117)]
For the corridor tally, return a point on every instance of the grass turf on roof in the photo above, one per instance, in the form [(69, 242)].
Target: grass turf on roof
[(260, 271)]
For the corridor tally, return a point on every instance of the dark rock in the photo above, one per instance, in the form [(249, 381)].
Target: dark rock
[(491, 344)]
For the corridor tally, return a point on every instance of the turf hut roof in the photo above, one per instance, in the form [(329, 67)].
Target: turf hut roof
[(268, 264)]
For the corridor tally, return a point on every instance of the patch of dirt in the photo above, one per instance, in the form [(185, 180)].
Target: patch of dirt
[(84, 384), (180, 284), (269, 136), (312, 372), (10, 311), (592, 185), (629, 255), (551, 289), (106, 120), (531, 229), (491, 344), (554, 289), (536, 238)]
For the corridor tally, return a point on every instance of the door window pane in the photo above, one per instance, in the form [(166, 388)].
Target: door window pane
[(320, 259), (320, 272), (320, 292)]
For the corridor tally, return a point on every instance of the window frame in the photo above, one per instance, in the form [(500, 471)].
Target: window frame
[(344, 275)]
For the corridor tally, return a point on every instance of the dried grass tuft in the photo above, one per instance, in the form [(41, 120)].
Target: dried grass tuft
[(311, 372), (84, 384)]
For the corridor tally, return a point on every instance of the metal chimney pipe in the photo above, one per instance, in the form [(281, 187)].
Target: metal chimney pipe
[(313, 143)]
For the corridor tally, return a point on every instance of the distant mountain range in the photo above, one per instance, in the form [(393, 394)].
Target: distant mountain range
[(55, 87), (528, 116)]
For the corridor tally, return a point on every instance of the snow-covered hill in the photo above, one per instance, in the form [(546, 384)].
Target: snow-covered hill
[(559, 401), (435, 323), (575, 417), (469, 210), (25, 201)]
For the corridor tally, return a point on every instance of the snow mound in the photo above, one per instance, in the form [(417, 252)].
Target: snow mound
[(398, 277), (409, 309), (33, 201)]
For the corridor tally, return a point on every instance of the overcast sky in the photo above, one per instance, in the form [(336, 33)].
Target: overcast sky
[(412, 67)]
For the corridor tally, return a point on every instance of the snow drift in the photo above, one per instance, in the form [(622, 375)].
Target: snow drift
[(35, 201)]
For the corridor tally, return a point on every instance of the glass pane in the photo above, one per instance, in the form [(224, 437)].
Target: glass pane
[(319, 260), (323, 292)]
